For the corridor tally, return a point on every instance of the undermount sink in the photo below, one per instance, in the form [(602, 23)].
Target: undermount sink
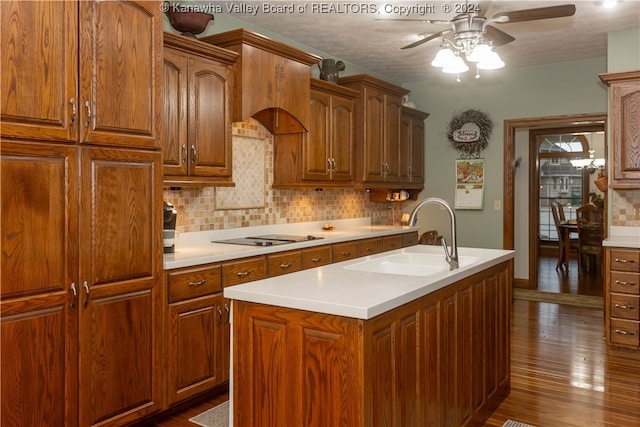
[(408, 264)]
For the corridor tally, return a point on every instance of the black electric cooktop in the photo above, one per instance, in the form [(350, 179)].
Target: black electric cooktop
[(268, 240)]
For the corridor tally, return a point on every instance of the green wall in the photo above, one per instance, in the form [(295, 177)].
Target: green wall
[(549, 90)]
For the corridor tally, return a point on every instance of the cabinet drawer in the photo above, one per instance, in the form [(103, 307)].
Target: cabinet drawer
[(390, 243), (316, 257), (625, 260), (410, 239), (345, 251), (625, 283), (625, 306), (369, 246), (186, 284), (244, 270), (283, 263), (625, 332)]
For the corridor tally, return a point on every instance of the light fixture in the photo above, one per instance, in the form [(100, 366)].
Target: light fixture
[(591, 164), (473, 47)]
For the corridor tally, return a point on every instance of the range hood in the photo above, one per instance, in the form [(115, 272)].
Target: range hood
[(272, 81)]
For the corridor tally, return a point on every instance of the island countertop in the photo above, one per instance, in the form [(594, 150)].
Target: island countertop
[(344, 289)]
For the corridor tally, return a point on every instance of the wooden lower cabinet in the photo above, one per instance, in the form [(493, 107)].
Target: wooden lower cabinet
[(622, 300), (441, 360), (195, 346)]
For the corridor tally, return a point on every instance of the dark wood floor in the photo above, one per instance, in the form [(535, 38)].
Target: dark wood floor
[(590, 283), (561, 374)]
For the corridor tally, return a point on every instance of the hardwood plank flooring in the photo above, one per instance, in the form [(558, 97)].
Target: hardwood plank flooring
[(570, 282), (561, 374)]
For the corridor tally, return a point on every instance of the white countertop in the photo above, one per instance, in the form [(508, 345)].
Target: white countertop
[(337, 289), (623, 237), (195, 248)]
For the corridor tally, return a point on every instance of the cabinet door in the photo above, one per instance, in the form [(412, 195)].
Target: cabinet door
[(39, 69), (416, 151), (209, 119), (625, 108), (121, 300), (39, 264), (174, 134), (374, 136), (342, 139), (393, 110), (120, 69), (317, 142), (195, 338)]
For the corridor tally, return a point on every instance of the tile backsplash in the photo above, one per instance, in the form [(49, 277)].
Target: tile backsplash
[(625, 208), (253, 202)]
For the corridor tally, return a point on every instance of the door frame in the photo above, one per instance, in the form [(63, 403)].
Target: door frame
[(509, 137)]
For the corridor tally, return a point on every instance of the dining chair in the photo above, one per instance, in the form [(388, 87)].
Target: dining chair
[(560, 210), (590, 235), (562, 257)]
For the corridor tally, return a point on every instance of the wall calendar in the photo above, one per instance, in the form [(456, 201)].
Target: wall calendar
[(469, 184)]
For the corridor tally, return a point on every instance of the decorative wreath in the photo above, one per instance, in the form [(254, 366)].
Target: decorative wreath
[(484, 124)]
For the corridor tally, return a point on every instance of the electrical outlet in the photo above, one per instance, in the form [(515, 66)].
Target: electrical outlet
[(496, 205)]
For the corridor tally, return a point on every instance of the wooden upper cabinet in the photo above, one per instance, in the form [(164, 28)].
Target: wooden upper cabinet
[(39, 36), (69, 78), (378, 144), (198, 78), (412, 145), (327, 150), (271, 80), (624, 116)]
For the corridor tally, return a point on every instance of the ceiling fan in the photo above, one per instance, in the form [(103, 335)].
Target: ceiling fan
[(468, 28), (474, 38)]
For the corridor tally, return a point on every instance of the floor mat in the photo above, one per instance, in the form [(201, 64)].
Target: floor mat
[(217, 416)]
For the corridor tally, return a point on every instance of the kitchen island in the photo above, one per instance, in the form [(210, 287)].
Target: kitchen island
[(394, 339)]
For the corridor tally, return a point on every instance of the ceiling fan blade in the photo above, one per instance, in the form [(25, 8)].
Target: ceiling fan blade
[(424, 21), (497, 37), (534, 14), (428, 38)]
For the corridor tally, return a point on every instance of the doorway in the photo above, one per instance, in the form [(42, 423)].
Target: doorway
[(527, 242)]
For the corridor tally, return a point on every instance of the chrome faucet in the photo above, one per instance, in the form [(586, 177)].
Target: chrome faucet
[(452, 257)]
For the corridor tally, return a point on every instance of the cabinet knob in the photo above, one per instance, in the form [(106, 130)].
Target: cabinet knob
[(198, 283), (74, 295), (88, 106), (85, 285), (623, 283), (72, 121), (243, 273)]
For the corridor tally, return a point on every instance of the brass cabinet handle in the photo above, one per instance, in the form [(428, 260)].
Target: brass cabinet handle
[(623, 283), (86, 104), (184, 153), (74, 293), (219, 314), (226, 307), (243, 273), (72, 121), (623, 306), (194, 154), (198, 283), (285, 266), (346, 253), (624, 260), (621, 332), (85, 285), (329, 167), (370, 250), (316, 260), (335, 166)]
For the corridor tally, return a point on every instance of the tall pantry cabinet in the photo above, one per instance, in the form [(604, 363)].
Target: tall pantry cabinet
[(80, 219)]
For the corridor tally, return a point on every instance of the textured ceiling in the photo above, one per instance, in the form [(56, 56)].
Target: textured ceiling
[(347, 31)]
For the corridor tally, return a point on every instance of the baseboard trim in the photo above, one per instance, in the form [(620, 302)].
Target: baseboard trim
[(558, 298)]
